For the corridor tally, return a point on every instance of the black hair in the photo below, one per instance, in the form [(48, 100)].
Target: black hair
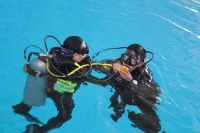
[(139, 50), (73, 43)]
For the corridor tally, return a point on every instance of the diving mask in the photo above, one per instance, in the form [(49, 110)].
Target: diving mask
[(84, 50), (130, 59)]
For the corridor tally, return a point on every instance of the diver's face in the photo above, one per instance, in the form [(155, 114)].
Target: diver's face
[(78, 57), (132, 68)]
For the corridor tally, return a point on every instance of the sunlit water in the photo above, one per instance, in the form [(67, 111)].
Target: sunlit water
[(170, 29)]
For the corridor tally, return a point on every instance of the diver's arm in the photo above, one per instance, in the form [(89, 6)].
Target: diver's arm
[(103, 69), (97, 81)]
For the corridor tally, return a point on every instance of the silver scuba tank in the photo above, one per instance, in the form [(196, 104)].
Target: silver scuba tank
[(35, 87)]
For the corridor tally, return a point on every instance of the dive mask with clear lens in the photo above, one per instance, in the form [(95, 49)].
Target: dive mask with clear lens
[(129, 59)]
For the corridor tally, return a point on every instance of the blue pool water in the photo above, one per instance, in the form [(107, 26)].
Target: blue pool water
[(170, 29)]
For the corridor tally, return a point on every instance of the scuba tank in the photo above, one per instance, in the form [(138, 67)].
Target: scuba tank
[(37, 82), (38, 79)]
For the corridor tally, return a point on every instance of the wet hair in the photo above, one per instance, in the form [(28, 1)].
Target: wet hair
[(73, 43), (139, 50)]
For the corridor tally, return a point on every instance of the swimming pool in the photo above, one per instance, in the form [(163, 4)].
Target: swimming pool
[(169, 28)]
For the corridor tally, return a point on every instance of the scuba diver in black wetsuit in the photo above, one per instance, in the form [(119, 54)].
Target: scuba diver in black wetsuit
[(134, 85), (51, 76)]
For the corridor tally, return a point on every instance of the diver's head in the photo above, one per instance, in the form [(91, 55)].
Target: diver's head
[(139, 51), (134, 56), (75, 47)]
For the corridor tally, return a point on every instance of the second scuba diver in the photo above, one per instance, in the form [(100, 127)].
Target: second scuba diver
[(48, 76), (133, 84)]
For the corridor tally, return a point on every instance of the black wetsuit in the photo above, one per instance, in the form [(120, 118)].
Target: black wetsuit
[(143, 95)]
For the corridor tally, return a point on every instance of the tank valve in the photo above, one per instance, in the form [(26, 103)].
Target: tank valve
[(25, 68)]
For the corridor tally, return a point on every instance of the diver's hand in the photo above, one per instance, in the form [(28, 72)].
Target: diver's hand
[(116, 67), (125, 75)]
